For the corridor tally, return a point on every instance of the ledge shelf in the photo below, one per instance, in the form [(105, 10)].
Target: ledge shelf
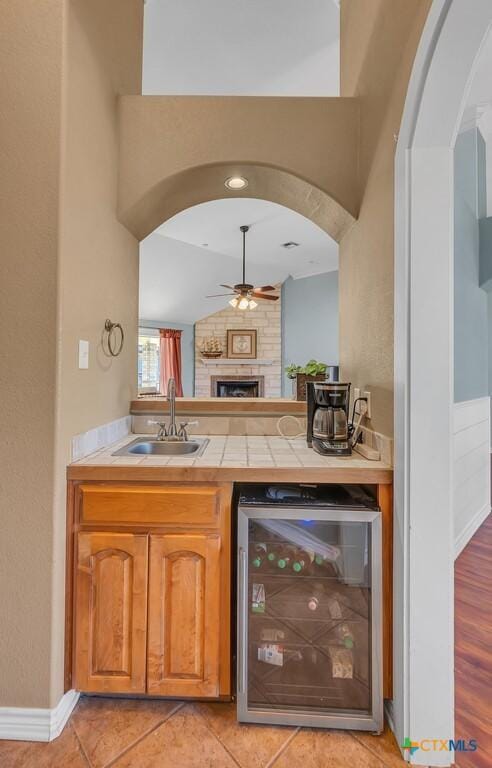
[(234, 361)]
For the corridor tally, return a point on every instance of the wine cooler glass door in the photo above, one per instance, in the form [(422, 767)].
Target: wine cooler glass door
[(309, 618)]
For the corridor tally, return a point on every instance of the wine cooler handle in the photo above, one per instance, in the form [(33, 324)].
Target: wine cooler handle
[(243, 638)]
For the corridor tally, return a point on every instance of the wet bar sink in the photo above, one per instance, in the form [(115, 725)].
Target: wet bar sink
[(143, 446)]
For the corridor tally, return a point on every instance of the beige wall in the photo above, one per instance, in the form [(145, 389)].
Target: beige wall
[(300, 152), (378, 43), (67, 264), (29, 171), (98, 273), (266, 320), (71, 264)]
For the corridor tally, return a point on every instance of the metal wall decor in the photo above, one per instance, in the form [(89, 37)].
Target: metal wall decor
[(111, 329)]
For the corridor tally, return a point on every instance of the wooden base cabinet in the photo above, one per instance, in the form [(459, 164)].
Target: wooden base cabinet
[(151, 605), (184, 615), (111, 611)]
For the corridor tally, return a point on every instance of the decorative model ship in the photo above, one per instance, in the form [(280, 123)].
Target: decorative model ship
[(212, 347)]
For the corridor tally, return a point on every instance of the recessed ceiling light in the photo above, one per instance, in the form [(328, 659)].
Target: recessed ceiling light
[(236, 182), (290, 244)]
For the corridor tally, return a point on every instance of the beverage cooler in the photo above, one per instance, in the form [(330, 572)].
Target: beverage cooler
[(309, 607)]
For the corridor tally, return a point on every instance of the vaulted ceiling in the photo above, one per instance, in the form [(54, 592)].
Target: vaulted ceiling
[(191, 254), (241, 48), (234, 48)]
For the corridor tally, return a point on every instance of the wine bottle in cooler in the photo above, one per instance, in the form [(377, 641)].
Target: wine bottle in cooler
[(274, 552), (345, 636), (303, 561), (286, 554), (316, 598), (259, 555)]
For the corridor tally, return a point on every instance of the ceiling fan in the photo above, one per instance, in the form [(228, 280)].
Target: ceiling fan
[(244, 294)]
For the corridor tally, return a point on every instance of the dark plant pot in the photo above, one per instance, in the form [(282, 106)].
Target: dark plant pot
[(299, 384)]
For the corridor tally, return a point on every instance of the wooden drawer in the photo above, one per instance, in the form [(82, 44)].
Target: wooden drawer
[(178, 505)]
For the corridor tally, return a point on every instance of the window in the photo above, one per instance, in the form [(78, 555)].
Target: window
[(148, 360)]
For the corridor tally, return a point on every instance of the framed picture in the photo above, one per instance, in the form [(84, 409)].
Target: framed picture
[(241, 343)]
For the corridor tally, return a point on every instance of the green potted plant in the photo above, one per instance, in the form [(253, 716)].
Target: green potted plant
[(312, 371)]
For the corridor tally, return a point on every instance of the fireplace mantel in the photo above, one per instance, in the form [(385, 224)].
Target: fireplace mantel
[(230, 361)]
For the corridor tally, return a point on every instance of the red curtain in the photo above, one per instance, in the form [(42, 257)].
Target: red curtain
[(171, 360)]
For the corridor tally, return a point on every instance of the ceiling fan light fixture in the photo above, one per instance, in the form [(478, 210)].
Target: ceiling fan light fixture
[(236, 182), (253, 304), (243, 303), (234, 302)]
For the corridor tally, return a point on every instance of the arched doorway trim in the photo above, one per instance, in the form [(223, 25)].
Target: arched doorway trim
[(424, 531)]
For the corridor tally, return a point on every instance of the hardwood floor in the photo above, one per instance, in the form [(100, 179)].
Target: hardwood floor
[(473, 648)]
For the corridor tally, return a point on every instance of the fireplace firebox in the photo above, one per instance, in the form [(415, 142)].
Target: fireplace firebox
[(237, 386)]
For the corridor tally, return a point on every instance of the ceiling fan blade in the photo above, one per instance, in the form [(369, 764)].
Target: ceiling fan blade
[(266, 288), (258, 295), (217, 295), (231, 287)]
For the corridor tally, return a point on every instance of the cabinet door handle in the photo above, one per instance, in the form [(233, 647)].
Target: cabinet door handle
[(243, 622)]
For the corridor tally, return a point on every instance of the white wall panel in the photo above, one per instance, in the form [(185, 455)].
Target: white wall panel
[(471, 468)]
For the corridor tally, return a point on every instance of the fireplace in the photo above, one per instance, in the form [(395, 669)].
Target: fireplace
[(237, 386)]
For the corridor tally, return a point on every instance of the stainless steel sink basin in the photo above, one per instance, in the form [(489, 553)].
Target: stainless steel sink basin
[(148, 447)]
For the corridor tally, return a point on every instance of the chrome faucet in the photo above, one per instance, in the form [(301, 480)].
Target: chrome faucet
[(172, 430)]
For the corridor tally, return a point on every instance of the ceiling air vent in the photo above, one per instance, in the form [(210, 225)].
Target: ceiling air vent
[(290, 244)]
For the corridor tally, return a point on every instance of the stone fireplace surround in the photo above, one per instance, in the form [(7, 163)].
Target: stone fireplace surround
[(266, 319)]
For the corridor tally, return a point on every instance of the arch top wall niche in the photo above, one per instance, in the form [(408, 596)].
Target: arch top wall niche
[(176, 152)]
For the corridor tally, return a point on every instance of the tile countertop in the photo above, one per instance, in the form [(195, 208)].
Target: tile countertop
[(233, 458)]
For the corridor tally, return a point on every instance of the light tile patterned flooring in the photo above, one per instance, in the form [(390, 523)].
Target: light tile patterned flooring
[(129, 733)]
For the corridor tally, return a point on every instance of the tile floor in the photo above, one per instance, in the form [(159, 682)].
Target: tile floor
[(128, 733)]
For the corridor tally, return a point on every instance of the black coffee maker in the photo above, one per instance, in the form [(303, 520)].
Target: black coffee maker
[(328, 427)]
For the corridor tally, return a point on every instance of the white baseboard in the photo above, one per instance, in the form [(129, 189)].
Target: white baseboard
[(470, 530), (23, 724)]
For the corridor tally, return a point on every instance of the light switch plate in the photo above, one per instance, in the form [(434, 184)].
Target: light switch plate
[(367, 395), (356, 397), (83, 354)]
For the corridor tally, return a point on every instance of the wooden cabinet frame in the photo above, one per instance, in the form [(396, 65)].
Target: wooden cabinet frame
[(384, 494), (214, 533)]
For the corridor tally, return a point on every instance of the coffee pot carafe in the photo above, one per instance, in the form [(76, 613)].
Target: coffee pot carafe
[(328, 428)]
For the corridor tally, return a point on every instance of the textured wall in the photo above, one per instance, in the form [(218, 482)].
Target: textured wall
[(29, 168), (470, 301), (378, 43), (277, 143), (70, 265), (266, 319), (98, 256), (309, 322)]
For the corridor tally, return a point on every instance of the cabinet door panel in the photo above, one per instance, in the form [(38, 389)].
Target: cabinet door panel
[(111, 612), (184, 615)]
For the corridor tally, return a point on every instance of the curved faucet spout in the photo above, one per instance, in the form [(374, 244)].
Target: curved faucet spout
[(171, 396)]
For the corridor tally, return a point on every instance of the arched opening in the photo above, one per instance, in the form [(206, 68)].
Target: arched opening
[(189, 266), (203, 183), (424, 354)]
